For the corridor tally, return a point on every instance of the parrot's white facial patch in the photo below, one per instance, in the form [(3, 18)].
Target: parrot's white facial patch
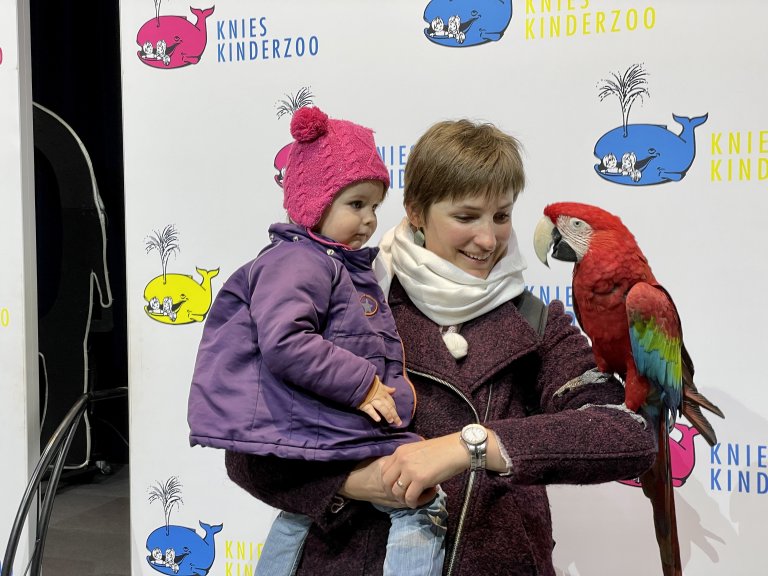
[(576, 232)]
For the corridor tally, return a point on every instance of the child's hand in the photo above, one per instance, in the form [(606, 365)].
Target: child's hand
[(379, 401)]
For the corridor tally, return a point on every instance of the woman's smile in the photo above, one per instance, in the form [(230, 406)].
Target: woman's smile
[(471, 233), (479, 258)]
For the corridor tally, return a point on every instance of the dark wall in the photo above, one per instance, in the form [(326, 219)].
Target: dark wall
[(76, 74)]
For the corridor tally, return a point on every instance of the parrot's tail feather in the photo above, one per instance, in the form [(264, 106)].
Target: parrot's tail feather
[(657, 486), (694, 415), (694, 396), (693, 402)]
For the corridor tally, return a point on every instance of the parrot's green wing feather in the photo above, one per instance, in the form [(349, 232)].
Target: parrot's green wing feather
[(656, 339)]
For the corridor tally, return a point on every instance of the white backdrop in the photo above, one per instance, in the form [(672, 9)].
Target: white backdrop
[(18, 305), (203, 126)]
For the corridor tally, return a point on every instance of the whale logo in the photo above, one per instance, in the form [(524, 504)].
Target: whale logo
[(642, 154), (462, 23), (175, 298), (281, 160), (180, 551), (649, 153), (286, 107), (173, 41), (682, 456), (178, 299)]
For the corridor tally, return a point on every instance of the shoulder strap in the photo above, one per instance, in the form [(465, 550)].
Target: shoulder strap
[(533, 310)]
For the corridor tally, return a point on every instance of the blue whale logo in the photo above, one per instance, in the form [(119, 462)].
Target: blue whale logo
[(460, 23), (180, 551), (647, 154)]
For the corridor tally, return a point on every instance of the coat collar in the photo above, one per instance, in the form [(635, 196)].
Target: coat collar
[(361, 258), (495, 340)]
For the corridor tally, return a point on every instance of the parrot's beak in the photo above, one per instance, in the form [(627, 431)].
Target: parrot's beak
[(547, 237), (542, 239), (561, 250)]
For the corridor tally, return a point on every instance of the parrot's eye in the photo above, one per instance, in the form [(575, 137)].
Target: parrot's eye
[(577, 223)]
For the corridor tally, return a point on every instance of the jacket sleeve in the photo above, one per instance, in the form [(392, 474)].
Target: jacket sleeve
[(562, 444), (299, 486), (291, 300)]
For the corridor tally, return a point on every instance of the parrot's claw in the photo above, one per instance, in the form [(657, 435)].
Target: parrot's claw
[(592, 376), (621, 407)]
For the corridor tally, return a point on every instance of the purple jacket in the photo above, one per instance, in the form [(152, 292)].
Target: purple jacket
[(290, 348), (498, 525)]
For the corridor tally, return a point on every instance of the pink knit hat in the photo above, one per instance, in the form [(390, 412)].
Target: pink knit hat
[(328, 155)]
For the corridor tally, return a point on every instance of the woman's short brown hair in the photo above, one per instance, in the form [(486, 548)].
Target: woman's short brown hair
[(454, 159)]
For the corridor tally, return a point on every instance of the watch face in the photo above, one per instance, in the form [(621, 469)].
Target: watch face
[(474, 434)]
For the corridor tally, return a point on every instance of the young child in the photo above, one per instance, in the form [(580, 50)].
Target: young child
[(300, 357)]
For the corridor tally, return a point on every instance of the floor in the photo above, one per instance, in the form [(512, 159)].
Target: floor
[(89, 530)]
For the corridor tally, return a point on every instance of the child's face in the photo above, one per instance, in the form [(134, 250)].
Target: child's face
[(351, 219)]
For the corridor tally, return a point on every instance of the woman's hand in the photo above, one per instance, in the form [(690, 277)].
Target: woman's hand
[(366, 483), (420, 466), (410, 475)]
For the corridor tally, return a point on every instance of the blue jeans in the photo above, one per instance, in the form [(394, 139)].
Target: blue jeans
[(415, 547), (282, 549)]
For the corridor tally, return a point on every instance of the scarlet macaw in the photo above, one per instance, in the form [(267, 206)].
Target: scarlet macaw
[(636, 333)]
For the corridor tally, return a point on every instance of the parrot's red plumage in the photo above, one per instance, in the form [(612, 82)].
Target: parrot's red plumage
[(636, 333)]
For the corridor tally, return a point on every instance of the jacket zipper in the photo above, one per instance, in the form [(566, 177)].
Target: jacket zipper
[(470, 480)]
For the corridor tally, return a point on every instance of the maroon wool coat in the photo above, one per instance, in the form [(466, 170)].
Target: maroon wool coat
[(502, 525)]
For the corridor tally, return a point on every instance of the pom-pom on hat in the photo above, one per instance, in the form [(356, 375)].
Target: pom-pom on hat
[(327, 155)]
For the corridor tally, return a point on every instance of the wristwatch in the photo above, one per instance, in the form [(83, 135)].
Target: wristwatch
[(475, 438)]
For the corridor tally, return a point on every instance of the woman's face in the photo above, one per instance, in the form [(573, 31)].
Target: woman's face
[(471, 233)]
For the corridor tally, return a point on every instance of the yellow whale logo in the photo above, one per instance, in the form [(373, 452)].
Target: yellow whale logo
[(178, 298)]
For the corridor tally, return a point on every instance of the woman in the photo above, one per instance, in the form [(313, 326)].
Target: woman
[(493, 402)]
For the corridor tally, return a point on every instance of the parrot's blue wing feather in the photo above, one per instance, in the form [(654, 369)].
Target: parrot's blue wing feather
[(656, 339)]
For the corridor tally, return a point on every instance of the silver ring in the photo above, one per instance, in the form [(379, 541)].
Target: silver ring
[(400, 484)]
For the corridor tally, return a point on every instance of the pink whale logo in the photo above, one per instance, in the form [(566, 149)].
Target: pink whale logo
[(288, 106), (682, 456), (281, 159), (173, 41)]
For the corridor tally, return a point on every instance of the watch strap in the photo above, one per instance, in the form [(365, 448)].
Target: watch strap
[(478, 451)]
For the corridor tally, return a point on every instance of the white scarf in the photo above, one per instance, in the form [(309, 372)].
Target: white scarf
[(443, 292)]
